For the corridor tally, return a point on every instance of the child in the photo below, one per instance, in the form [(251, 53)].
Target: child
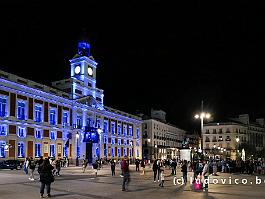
[(162, 178)]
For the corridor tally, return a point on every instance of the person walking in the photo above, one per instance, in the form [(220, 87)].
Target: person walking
[(162, 178), (112, 166), (32, 167), (126, 174), (173, 167), (155, 167), (84, 164), (184, 171), (205, 174), (58, 167), (143, 166), (137, 163), (46, 178), (95, 166), (26, 166)]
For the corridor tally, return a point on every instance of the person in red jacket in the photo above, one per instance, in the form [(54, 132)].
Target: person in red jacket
[(126, 174)]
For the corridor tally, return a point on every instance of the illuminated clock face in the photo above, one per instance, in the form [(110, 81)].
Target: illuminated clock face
[(77, 69), (90, 71)]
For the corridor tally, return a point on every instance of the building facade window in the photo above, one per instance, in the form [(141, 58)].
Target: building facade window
[(137, 152), (37, 150), (112, 128), (125, 130), (125, 142), (130, 151), (53, 135), (138, 143), (131, 143), (2, 149), (65, 118), (106, 124), (79, 122), (21, 150), (21, 110), (137, 133), (52, 117), (124, 152), (119, 142), (105, 140), (112, 152), (105, 152), (38, 113), (119, 152), (3, 130), (119, 129), (52, 150), (21, 132), (65, 151), (112, 140), (130, 131), (38, 133), (3, 107)]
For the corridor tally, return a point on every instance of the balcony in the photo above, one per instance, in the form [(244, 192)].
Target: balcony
[(220, 140), (207, 140), (228, 139), (214, 140)]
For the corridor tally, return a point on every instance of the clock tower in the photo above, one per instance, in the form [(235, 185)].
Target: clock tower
[(82, 82)]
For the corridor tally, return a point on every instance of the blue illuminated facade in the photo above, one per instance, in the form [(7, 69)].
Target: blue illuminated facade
[(68, 119)]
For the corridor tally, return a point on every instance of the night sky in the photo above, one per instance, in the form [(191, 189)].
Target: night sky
[(152, 54)]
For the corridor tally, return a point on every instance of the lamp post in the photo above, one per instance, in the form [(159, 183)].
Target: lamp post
[(203, 115)]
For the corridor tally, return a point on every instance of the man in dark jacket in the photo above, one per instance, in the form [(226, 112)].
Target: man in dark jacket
[(155, 167), (126, 174), (173, 167), (137, 163), (46, 177)]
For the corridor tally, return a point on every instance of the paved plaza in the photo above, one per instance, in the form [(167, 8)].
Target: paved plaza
[(75, 184)]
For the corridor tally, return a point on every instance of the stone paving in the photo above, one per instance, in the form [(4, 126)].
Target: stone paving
[(75, 184)]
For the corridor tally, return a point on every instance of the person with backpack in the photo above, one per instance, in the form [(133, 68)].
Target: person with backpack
[(46, 178), (32, 167)]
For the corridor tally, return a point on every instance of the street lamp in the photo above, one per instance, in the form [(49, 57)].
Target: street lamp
[(203, 115)]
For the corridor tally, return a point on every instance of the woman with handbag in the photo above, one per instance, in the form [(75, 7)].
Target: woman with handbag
[(46, 177)]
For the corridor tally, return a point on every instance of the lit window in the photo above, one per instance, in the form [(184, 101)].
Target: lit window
[(65, 118), (21, 110), (113, 128), (124, 152), (137, 133), (38, 133), (21, 150), (131, 143), (138, 143), (38, 113), (65, 151), (98, 123), (119, 129), (3, 130), (21, 132), (130, 131), (3, 107), (113, 141), (53, 135), (79, 121), (106, 126), (137, 153), (119, 152), (130, 151), (125, 130), (52, 117), (119, 141), (2, 149), (105, 152), (37, 150), (52, 150), (105, 139), (112, 152), (125, 142)]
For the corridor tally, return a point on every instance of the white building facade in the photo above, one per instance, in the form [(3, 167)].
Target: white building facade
[(220, 139), (66, 120), (161, 140)]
